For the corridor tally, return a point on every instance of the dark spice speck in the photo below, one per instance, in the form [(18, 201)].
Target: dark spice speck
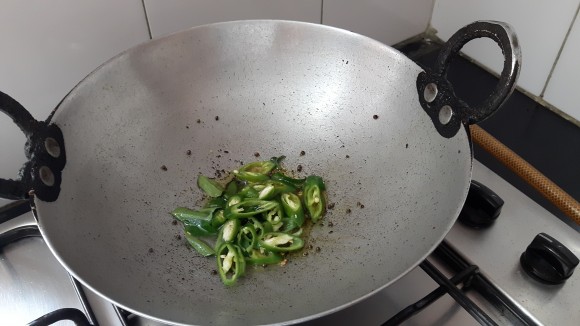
[(348, 156), (299, 168), (217, 118), (348, 210), (174, 222), (213, 272), (330, 206), (178, 236), (256, 154), (375, 117), (318, 249), (406, 145), (188, 152), (302, 153), (164, 168), (150, 250), (198, 121)]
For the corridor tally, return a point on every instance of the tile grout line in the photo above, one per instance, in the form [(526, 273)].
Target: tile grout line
[(321, 11), (147, 20), (560, 52)]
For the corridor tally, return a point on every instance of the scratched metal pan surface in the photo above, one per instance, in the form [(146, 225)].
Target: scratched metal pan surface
[(224, 92)]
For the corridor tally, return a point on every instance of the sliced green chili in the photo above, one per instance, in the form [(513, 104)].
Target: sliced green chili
[(258, 216), (218, 218), (197, 223), (313, 197), (231, 188), (231, 263), (199, 245), (293, 208), (260, 228), (248, 192), (249, 207), (219, 202), (280, 242), (297, 183), (255, 171), (247, 238), (211, 187), (258, 257)]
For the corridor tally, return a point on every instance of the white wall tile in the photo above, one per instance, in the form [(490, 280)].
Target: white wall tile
[(47, 47), (387, 21), (540, 24), (563, 89), (168, 16)]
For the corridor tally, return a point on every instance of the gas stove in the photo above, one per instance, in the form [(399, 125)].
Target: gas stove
[(483, 262)]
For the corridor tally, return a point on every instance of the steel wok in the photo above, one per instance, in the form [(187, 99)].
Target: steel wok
[(379, 129)]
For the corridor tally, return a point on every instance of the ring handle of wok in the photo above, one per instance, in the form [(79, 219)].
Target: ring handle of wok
[(436, 94), (44, 150)]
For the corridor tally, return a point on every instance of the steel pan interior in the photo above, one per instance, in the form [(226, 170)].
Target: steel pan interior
[(226, 91)]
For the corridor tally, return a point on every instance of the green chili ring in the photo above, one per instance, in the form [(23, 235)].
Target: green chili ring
[(280, 242)]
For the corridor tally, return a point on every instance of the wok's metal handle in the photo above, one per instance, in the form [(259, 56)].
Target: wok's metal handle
[(436, 94), (45, 152)]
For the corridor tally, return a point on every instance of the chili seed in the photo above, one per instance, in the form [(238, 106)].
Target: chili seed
[(164, 168), (302, 153)]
